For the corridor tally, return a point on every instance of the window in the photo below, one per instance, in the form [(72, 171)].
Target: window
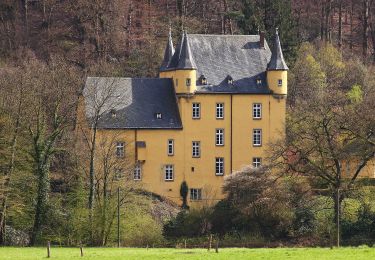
[(168, 170), (118, 173), (280, 82), (196, 149), (259, 82), (120, 149), (176, 82), (158, 116), (188, 82), (219, 166), (257, 162), (219, 136), (137, 172), (257, 111), (170, 147), (195, 194), (219, 110), (257, 137), (196, 110)]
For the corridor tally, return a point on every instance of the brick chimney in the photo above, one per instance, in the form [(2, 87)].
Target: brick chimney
[(261, 40)]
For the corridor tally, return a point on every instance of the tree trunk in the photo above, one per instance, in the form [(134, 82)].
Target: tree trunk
[(92, 183), (340, 25), (9, 173), (337, 198), (42, 199), (365, 27), (351, 24)]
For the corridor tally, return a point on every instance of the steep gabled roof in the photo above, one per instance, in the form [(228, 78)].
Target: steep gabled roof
[(132, 103), (168, 54), (240, 56), (277, 61)]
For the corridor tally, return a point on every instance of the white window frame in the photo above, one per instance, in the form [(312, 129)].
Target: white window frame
[(280, 82), (257, 137), (120, 149), (137, 175), (219, 110), (196, 110), (219, 166), (195, 194), (257, 162), (219, 136), (170, 147), (196, 149), (169, 172), (257, 110)]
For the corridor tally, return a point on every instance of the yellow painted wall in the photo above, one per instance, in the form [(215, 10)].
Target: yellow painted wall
[(179, 79), (272, 79)]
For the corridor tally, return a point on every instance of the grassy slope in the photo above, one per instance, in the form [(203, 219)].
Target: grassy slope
[(228, 253)]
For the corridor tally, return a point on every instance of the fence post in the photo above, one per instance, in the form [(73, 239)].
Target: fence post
[(48, 249)]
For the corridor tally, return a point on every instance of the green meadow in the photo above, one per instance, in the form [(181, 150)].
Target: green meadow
[(167, 253)]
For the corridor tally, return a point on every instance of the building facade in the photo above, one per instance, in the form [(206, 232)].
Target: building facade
[(217, 104)]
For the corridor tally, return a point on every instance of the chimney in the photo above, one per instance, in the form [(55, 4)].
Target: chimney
[(261, 40)]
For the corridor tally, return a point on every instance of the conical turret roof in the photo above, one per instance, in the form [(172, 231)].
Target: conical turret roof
[(277, 61), (168, 54), (186, 60)]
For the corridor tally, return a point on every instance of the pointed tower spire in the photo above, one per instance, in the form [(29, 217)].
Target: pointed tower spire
[(176, 56), (169, 51), (277, 61), (186, 60)]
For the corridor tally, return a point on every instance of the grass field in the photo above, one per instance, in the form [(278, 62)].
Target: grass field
[(227, 253)]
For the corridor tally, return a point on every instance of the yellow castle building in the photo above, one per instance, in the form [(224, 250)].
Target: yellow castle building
[(218, 101)]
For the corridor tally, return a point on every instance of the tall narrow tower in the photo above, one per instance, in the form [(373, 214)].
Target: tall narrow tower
[(277, 70), (182, 68)]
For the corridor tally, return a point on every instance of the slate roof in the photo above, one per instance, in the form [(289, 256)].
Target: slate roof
[(168, 54), (128, 103), (277, 61), (186, 60), (237, 56)]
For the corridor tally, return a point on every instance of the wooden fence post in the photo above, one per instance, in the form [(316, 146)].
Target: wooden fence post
[(48, 249)]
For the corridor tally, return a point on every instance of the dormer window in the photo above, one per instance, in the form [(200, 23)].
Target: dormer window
[(259, 82), (203, 80), (280, 82), (113, 113), (158, 116), (230, 80)]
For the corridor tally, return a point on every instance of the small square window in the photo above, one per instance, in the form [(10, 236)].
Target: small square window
[(257, 162), (280, 82), (158, 116), (188, 82), (259, 81), (195, 194)]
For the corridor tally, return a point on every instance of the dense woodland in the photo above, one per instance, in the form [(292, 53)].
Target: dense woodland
[(48, 191)]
